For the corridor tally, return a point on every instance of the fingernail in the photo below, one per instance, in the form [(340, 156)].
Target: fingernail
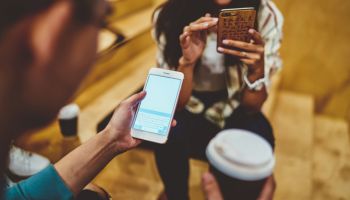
[(215, 19), (251, 31), (205, 24), (225, 41), (220, 49)]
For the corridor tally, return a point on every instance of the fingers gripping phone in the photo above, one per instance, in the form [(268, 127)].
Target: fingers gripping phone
[(154, 115), (235, 23)]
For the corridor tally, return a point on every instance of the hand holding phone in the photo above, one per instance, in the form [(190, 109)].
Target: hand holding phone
[(237, 37), (155, 113), (235, 23)]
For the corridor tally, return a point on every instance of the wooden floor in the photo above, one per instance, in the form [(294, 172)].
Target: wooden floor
[(313, 155), (315, 51)]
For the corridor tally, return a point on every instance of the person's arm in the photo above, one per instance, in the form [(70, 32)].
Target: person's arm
[(251, 54), (192, 41), (47, 184), (79, 167), (262, 55), (253, 100), (187, 85)]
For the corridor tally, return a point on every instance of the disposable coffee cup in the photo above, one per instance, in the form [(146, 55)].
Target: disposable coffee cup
[(68, 120), (241, 161)]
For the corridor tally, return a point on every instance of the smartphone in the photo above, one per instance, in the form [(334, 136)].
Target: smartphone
[(235, 23), (155, 113)]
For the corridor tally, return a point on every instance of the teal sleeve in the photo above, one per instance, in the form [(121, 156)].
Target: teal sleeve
[(47, 184)]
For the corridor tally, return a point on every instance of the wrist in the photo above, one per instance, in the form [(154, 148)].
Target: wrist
[(109, 141), (254, 75), (187, 63)]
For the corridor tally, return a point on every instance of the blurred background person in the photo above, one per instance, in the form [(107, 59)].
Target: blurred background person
[(215, 94)]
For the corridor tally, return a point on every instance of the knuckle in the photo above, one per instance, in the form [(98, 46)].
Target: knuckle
[(124, 103)]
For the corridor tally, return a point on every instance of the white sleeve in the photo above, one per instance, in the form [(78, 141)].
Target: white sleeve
[(270, 27)]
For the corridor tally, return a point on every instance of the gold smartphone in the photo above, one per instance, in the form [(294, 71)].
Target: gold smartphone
[(235, 23)]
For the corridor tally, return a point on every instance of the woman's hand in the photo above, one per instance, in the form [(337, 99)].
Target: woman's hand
[(252, 53), (193, 39)]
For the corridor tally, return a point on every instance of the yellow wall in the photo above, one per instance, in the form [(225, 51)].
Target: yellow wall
[(316, 52)]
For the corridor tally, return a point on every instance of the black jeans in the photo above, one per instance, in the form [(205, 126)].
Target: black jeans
[(88, 195), (191, 137)]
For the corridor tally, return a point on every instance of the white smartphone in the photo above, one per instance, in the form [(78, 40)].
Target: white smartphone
[(155, 113)]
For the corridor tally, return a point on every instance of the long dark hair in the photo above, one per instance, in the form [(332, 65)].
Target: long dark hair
[(174, 15)]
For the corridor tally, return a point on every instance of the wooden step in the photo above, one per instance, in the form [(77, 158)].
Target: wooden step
[(117, 57), (96, 102), (106, 39), (112, 89), (292, 121), (122, 8), (197, 169), (134, 175), (136, 30), (131, 25), (270, 103), (131, 175), (331, 160)]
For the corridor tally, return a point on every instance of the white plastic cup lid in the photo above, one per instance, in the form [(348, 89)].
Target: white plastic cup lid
[(69, 111), (241, 154)]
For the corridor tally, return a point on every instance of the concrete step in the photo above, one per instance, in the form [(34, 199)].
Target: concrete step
[(292, 121), (331, 160)]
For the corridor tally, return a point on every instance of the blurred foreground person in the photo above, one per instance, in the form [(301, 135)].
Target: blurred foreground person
[(46, 48)]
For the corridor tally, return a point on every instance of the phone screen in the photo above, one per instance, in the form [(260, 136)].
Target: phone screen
[(155, 111)]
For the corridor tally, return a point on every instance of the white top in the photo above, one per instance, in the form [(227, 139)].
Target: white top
[(69, 112), (210, 75), (241, 154)]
